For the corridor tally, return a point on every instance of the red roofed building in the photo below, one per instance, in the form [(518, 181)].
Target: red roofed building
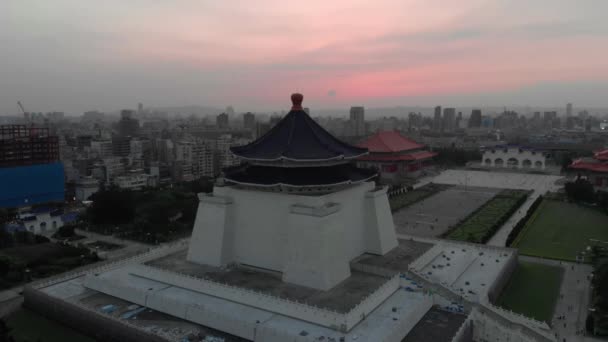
[(595, 169), (395, 156)]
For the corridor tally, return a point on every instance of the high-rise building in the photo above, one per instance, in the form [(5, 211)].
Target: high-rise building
[(249, 120), (449, 119), (569, 109), (30, 170), (93, 115), (128, 125), (357, 121), (550, 119), (222, 120), (121, 146), (437, 119), (23, 145), (475, 119)]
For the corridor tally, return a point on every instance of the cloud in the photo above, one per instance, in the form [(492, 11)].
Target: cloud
[(73, 57)]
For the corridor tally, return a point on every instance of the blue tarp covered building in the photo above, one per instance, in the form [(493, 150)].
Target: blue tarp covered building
[(33, 184)]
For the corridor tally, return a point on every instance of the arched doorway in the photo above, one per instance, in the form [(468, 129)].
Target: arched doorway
[(512, 162), (488, 162), (527, 163), (538, 164), (499, 162)]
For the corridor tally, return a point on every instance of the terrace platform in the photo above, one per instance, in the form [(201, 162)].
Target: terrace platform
[(341, 298)]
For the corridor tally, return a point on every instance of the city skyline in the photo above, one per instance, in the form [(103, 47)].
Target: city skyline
[(72, 57)]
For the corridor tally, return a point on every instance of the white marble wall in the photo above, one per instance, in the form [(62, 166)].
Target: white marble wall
[(317, 235)]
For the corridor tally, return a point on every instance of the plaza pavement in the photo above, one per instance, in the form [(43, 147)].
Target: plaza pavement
[(575, 290), (539, 184)]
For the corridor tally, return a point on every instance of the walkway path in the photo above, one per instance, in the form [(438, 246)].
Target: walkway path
[(130, 247), (500, 237)]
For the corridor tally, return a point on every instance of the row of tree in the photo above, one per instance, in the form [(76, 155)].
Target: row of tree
[(150, 215), (519, 226), (581, 191)]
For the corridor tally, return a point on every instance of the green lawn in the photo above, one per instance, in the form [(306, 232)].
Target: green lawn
[(29, 326), (561, 230), (483, 223), (533, 290)]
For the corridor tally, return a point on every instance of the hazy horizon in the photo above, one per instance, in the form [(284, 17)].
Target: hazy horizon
[(74, 56)]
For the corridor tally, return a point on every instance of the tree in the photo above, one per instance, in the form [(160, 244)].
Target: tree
[(580, 190), (6, 238), (112, 206), (5, 265), (5, 332), (65, 232)]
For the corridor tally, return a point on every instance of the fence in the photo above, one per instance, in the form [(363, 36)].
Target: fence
[(327, 317), (536, 330), (465, 332), (502, 278), (513, 323), (100, 326), (111, 264), (379, 271)]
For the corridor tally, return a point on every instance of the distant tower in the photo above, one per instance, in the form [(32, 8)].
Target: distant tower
[(357, 120), (140, 108), (128, 125), (249, 120), (569, 110), (475, 119), (229, 110), (222, 120), (449, 119), (437, 119)]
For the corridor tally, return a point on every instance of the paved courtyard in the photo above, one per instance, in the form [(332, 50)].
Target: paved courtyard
[(504, 180), (433, 216), (540, 184)]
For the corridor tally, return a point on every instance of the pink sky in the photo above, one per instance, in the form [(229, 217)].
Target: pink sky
[(77, 55)]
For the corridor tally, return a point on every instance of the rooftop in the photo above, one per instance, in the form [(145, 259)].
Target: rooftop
[(601, 155), (589, 164), (269, 176), (398, 258), (389, 142), (297, 138)]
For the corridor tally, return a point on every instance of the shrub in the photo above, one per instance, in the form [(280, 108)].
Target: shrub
[(522, 222)]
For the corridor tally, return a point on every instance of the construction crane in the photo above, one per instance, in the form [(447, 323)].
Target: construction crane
[(26, 115)]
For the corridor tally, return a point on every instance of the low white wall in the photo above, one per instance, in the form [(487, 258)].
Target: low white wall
[(257, 222), (533, 160), (321, 316), (407, 323)]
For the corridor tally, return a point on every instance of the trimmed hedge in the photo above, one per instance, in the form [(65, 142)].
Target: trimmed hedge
[(487, 218), (522, 222), (412, 196)]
